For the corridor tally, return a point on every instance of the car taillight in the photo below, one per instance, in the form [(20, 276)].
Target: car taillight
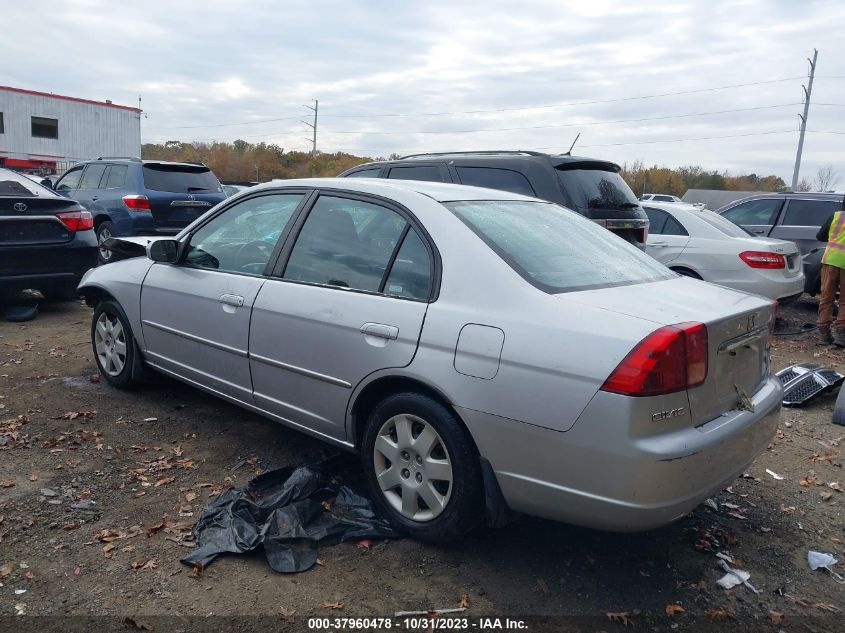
[(762, 259), (77, 220), (670, 359), (137, 202)]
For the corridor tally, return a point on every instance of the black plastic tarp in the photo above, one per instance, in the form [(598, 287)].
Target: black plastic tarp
[(290, 512)]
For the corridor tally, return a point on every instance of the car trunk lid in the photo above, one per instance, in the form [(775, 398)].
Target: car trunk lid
[(33, 220), (180, 193), (737, 333)]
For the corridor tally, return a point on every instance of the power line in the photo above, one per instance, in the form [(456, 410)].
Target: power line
[(516, 109)]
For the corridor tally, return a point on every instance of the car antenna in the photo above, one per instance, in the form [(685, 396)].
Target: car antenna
[(577, 136)]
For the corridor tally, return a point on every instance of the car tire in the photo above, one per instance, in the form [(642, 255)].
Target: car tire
[(113, 345), (412, 446), (105, 230)]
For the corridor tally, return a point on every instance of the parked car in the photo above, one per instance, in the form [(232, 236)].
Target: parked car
[(703, 244), (445, 332), (591, 187), (796, 217), (47, 242), (659, 197), (130, 196)]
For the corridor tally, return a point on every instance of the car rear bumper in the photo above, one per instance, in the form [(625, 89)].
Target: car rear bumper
[(600, 474), (775, 287), (48, 265)]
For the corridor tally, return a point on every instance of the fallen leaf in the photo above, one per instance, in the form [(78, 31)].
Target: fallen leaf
[(623, 617), (33, 477), (137, 624), (720, 614), (70, 526), (190, 496), (834, 485), (320, 562), (29, 575), (151, 564), (177, 450), (365, 544), (463, 601), (776, 617), (108, 547), (197, 572), (672, 609), (287, 614), (7, 483), (836, 540), (95, 378), (77, 571), (825, 496), (5, 570), (332, 605), (162, 480), (809, 480), (787, 509)]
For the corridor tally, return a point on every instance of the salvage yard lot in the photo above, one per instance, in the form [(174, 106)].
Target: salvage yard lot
[(148, 460)]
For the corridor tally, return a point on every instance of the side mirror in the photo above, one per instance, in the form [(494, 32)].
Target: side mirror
[(164, 251)]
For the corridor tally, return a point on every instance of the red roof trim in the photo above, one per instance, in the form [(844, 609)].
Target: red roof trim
[(64, 98)]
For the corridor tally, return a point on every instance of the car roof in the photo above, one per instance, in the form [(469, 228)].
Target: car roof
[(493, 156), (671, 206), (146, 161), (439, 191)]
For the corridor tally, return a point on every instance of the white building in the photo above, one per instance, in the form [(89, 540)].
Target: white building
[(47, 132)]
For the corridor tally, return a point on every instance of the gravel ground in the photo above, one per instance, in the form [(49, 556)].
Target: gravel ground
[(68, 439)]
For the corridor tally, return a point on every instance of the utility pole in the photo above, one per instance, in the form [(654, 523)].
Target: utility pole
[(808, 90), (313, 127)]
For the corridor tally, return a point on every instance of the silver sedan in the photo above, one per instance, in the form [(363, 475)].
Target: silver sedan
[(464, 341)]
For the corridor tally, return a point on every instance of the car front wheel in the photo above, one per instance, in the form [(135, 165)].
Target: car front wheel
[(114, 346), (423, 467)]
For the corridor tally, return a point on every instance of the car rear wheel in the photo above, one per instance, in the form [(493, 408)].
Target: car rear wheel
[(104, 231), (423, 467), (686, 272), (114, 346)]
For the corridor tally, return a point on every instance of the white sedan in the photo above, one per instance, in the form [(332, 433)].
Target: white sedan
[(702, 244)]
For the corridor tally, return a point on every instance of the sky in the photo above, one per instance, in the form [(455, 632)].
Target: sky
[(430, 75)]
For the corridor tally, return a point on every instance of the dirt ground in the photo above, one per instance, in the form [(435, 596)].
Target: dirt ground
[(68, 440)]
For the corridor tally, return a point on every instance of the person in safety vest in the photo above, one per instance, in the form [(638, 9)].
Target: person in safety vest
[(833, 278)]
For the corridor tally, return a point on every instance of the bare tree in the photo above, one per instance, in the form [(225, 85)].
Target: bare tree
[(826, 178), (804, 185)]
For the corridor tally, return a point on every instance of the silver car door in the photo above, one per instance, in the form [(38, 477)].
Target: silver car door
[(351, 301), (757, 216), (195, 314), (802, 219)]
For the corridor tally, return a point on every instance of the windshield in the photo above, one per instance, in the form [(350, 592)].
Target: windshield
[(555, 249), (724, 225), (594, 188), (180, 179)]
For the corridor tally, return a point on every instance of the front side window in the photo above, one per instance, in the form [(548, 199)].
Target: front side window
[(555, 249), (242, 238), (345, 243), (417, 172), (810, 212), (45, 128), (91, 177), (70, 180), (754, 212), (494, 178)]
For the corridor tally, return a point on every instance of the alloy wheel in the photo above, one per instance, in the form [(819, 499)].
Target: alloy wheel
[(413, 467), (110, 343), (102, 236)]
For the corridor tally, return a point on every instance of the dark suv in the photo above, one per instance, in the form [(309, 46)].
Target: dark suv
[(130, 196), (591, 187)]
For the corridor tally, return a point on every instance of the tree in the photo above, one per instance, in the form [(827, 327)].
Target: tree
[(826, 178), (804, 185)]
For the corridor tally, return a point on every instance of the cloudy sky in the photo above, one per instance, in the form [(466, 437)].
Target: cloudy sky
[(651, 80)]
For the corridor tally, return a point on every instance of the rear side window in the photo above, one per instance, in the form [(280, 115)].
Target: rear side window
[(345, 243), (419, 172), (504, 179), (116, 178), (91, 178), (365, 173), (180, 179), (410, 275), (809, 212), (555, 249), (656, 220), (754, 212)]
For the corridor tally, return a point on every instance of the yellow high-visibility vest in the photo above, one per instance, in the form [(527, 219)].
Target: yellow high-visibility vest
[(834, 254)]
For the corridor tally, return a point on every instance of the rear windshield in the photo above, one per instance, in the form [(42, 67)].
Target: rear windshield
[(596, 188), (12, 184), (724, 225), (555, 249), (180, 179)]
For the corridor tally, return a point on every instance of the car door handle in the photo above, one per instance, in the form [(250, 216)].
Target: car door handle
[(95, 198), (390, 332), (232, 300)]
